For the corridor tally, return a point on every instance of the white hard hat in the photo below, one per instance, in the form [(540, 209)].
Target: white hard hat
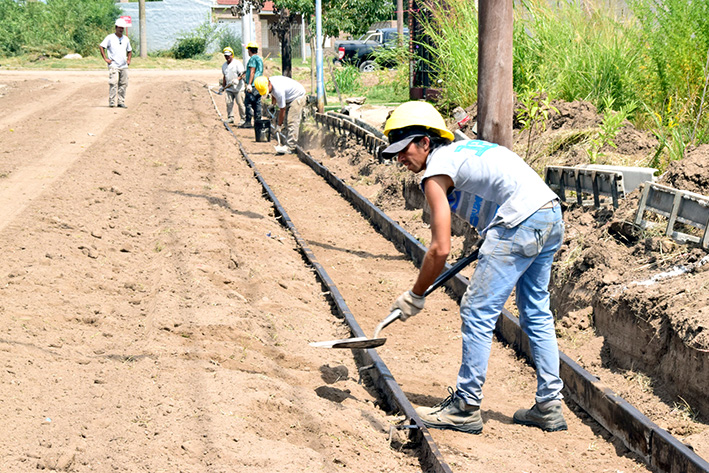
[(121, 22)]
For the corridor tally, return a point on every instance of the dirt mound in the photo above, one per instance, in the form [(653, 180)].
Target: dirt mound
[(691, 173), (573, 115)]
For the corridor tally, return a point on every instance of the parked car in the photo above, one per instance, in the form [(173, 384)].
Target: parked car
[(359, 51)]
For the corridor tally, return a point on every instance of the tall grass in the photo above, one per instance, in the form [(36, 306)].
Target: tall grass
[(675, 50), (56, 27), (452, 26), (651, 61), (575, 50)]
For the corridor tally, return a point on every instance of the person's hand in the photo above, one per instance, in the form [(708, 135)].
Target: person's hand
[(279, 128), (409, 303), (108, 61), (221, 89), (249, 88)]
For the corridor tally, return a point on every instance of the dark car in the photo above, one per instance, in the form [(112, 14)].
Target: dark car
[(359, 51)]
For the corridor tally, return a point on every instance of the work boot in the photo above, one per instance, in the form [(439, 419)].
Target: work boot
[(546, 415), (453, 414), (246, 125), (122, 105), (241, 123)]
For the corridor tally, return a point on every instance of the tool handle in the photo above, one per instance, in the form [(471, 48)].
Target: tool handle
[(395, 314), (455, 269)]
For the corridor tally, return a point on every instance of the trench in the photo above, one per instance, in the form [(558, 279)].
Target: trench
[(355, 255)]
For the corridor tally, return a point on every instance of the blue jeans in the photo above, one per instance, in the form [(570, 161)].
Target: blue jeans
[(518, 257)]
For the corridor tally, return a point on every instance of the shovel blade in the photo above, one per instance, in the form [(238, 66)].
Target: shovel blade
[(358, 342)]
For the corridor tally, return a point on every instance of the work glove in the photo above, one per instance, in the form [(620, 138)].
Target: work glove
[(409, 303), (279, 128), (249, 88)]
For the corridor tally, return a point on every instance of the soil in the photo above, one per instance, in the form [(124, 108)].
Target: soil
[(155, 314)]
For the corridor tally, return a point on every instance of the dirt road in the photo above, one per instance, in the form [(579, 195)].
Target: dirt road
[(155, 315)]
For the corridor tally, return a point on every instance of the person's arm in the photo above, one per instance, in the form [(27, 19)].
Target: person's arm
[(103, 54), (436, 189), (281, 116), (130, 55), (250, 75)]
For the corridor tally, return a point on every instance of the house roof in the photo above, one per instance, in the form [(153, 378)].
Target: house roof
[(267, 6)]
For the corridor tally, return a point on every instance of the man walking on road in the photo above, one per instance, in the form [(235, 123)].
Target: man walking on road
[(116, 51), (519, 216), (232, 83), (252, 99), (289, 96)]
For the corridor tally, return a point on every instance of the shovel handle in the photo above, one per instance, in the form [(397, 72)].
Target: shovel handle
[(395, 314), (455, 269)]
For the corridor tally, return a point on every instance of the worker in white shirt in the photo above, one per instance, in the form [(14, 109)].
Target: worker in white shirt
[(233, 84), (289, 96), (116, 51)]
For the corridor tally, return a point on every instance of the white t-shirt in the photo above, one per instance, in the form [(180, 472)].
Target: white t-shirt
[(285, 90), (492, 185), (117, 50), (232, 70)]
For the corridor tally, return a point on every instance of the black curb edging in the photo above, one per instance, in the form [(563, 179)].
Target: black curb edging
[(394, 397), (655, 445)]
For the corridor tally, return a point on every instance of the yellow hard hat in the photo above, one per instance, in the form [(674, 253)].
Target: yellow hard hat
[(261, 84), (417, 114), (252, 44), (409, 121), (228, 51)]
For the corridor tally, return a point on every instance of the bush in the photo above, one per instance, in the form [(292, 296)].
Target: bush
[(231, 39), (187, 48), (194, 43), (56, 26), (348, 78)]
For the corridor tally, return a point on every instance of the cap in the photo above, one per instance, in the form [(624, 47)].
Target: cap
[(401, 138)]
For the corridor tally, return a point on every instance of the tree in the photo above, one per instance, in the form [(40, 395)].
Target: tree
[(348, 16)]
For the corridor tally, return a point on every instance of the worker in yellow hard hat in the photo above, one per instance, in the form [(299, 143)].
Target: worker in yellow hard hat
[(289, 96), (519, 216), (233, 84), (252, 99)]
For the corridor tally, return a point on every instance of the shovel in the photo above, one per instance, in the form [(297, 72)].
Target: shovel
[(376, 341)]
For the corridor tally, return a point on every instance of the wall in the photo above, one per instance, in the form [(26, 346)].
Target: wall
[(169, 19)]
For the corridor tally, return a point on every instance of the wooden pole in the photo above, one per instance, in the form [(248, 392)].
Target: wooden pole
[(400, 22), (495, 96), (143, 31)]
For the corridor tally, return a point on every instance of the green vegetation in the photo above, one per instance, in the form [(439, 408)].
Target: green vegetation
[(649, 63), (194, 43), (55, 28)]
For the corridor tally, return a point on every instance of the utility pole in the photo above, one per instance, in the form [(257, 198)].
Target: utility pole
[(400, 21), (143, 30), (495, 96)]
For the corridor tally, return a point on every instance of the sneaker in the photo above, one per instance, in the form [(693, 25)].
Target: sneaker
[(547, 416), (230, 120), (246, 125), (122, 105), (111, 105), (453, 414), (241, 123), (282, 149)]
